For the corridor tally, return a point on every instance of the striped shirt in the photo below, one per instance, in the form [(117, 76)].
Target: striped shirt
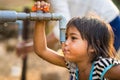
[(98, 70)]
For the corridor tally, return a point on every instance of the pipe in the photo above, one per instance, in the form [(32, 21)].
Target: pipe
[(11, 16)]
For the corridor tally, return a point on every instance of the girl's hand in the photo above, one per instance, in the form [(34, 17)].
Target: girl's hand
[(42, 6)]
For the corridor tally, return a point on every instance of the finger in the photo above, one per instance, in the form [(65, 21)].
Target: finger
[(38, 4)]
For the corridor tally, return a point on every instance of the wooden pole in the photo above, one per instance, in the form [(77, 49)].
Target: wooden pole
[(25, 37)]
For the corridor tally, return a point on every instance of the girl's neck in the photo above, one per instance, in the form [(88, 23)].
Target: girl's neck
[(84, 70), (84, 66)]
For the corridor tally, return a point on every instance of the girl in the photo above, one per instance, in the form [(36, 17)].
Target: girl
[(88, 50)]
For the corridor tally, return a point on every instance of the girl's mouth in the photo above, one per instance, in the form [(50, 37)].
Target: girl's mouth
[(65, 51)]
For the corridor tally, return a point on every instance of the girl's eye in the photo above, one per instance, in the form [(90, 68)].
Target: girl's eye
[(73, 38)]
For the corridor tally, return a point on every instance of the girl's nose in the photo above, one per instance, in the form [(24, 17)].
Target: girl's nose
[(66, 42)]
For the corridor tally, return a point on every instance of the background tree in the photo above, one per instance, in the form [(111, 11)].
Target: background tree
[(117, 2)]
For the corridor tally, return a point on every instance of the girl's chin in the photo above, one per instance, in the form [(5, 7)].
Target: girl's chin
[(67, 58)]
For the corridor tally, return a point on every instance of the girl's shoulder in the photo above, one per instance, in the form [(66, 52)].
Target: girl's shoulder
[(104, 62), (102, 65)]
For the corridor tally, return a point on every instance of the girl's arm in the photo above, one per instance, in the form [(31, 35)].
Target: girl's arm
[(40, 46), (113, 73)]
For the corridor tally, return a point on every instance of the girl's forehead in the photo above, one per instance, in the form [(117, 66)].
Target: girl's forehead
[(72, 29)]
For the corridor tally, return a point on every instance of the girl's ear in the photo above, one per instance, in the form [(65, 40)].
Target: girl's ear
[(91, 49)]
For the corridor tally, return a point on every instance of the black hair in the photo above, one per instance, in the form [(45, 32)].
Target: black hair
[(98, 33)]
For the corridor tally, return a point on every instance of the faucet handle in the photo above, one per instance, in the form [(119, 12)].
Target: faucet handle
[(41, 6)]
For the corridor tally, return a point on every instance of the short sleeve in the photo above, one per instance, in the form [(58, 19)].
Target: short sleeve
[(103, 65)]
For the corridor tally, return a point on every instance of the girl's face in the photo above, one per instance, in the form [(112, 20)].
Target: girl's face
[(74, 48)]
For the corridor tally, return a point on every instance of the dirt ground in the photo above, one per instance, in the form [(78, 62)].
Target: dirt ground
[(37, 69)]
